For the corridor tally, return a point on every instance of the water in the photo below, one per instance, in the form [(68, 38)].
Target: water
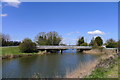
[(47, 66)]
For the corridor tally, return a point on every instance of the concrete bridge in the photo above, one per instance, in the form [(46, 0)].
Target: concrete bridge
[(61, 48)]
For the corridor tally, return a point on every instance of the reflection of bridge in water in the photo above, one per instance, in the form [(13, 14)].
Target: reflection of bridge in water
[(61, 48)]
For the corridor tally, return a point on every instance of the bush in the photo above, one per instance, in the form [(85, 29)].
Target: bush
[(84, 44), (110, 43), (27, 46)]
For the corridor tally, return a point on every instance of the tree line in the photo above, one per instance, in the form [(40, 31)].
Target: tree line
[(98, 41), (54, 39), (5, 41)]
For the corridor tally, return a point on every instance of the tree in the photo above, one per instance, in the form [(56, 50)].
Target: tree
[(119, 45), (80, 41), (98, 41), (4, 39), (110, 43), (41, 38), (27, 46), (51, 38), (92, 42)]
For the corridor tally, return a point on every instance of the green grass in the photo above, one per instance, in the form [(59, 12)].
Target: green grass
[(11, 50), (110, 72)]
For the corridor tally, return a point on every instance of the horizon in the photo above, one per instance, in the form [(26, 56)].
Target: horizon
[(70, 20)]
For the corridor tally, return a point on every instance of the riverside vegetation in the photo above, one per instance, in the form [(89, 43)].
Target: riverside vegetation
[(14, 52), (107, 68)]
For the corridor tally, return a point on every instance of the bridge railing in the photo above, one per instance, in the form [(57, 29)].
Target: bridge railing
[(62, 47)]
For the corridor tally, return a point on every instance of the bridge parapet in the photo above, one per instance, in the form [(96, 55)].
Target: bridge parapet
[(64, 47)]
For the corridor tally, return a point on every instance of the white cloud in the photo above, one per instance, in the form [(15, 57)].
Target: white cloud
[(69, 41), (17, 40), (3, 15), (73, 33), (96, 32), (14, 3)]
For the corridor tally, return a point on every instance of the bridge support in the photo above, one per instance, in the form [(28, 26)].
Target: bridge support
[(45, 50), (80, 50), (61, 51)]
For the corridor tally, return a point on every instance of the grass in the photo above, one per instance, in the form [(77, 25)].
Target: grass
[(110, 72), (10, 50)]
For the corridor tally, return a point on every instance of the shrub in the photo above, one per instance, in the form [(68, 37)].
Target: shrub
[(110, 43), (84, 44), (27, 46)]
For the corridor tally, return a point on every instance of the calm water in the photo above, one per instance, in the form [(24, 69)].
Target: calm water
[(47, 66)]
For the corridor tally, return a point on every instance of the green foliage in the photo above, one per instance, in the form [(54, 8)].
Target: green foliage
[(11, 50), (98, 41), (51, 38), (103, 72), (110, 43), (27, 46), (62, 44), (98, 73), (119, 45), (98, 47), (5, 41), (84, 44), (80, 41), (92, 42)]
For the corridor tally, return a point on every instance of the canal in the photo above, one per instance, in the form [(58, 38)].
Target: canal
[(46, 66)]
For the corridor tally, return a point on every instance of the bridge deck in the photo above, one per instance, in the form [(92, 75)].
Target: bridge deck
[(64, 47)]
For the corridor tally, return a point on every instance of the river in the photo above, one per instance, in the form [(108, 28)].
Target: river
[(46, 66)]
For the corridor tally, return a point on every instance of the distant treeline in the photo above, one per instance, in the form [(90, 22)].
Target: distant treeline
[(5, 41), (53, 38), (98, 41)]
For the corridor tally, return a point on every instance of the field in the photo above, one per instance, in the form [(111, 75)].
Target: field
[(10, 50)]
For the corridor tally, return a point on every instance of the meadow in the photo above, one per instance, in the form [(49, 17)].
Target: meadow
[(11, 50)]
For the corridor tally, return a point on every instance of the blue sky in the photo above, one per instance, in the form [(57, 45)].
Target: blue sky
[(70, 20)]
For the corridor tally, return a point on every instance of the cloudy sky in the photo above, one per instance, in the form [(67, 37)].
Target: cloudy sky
[(70, 20)]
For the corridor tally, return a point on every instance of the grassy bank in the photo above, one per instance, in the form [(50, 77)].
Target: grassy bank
[(14, 52), (11, 50), (106, 66), (107, 71)]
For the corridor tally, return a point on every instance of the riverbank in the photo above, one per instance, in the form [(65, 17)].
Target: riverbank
[(95, 69), (101, 51), (14, 52), (107, 68)]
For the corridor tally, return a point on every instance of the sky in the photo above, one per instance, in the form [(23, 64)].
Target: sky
[(70, 19)]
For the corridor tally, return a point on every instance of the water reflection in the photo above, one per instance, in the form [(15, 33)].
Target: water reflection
[(47, 65)]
